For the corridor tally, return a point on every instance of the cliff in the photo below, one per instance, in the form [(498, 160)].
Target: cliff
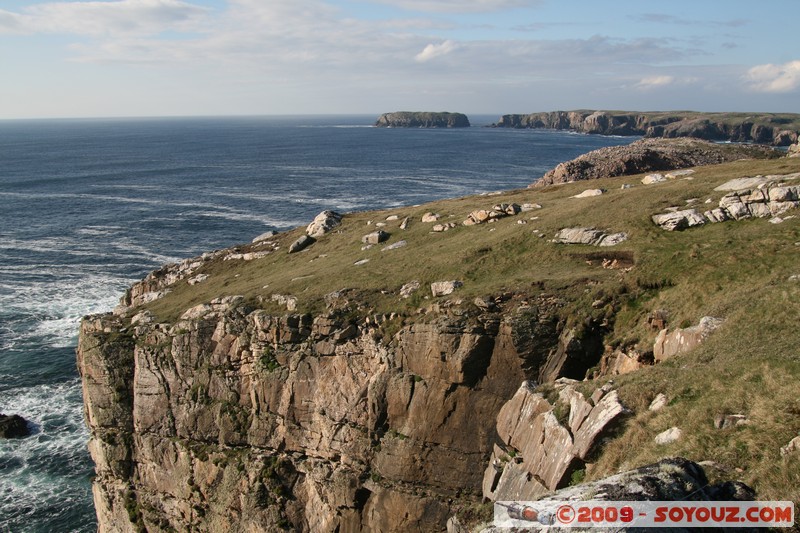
[(763, 128), (408, 119), (405, 365)]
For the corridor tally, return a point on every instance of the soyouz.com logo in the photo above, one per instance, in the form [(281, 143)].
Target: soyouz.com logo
[(643, 514)]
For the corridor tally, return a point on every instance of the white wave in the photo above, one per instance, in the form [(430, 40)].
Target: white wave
[(50, 467)]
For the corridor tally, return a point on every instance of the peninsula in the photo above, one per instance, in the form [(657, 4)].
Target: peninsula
[(777, 129)]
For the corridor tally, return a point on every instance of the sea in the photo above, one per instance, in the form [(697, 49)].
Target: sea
[(89, 206)]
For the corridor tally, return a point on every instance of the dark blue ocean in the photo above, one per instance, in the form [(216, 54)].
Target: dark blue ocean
[(89, 206)]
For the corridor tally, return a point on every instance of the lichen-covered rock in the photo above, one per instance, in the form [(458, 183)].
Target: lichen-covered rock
[(669, 344)]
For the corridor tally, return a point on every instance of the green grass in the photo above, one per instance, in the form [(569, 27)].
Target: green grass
[(735, 270)]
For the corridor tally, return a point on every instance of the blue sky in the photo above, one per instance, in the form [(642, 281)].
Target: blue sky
[(249, 57)]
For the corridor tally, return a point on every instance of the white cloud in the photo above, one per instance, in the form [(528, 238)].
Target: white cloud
[(142, 17), (654, 82), (459, 6), (433, 51), (771, 78)]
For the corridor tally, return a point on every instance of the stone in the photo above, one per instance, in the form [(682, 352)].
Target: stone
[(289, 301), (530, 207), (679, 220), (792, 447), (394, 246), (659, 402), (716, 215), (361, 262), (323, 223), (430, 217), (409, 288), (391, 218), (653, 178), (443, 288), (265, 236), (588, 193), (301, 244), (404, 223), (723, 421), (13, 427), (669, 436), (588, 236), (375, 237), (678, 173), (197, 279)]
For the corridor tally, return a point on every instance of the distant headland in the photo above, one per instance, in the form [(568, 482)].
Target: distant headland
[(422, 119), (777, 129)]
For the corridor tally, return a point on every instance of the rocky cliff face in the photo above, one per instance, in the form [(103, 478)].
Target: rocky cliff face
[(232, 419), (763, 129), (407, 119)]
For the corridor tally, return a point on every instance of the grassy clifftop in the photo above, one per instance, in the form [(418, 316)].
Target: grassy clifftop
[(745, 272)]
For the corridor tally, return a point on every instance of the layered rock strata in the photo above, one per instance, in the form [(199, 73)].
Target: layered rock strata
[(231, 419)]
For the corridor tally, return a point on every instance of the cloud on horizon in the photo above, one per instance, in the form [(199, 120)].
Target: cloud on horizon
[(459, 6), (771, 78)]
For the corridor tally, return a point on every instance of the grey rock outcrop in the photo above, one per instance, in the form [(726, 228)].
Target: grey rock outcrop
[(419, 119), (301, 244), (650, 155)]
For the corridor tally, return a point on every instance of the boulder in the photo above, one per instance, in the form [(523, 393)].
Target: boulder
[(723, 421), (669, 436), (659, 402), (301, 244), (679, 220), (794, 150), (653, 178), (443, 288), (409, 288), (323, 223), (588, 193), (264, 236), (13, 427), (375, 237), (430, 217), (792, 447), (394, 246), (588, 236)]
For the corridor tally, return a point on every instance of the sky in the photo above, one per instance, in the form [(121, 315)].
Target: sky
[(130, 58)]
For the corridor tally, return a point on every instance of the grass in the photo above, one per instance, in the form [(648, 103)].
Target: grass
[(735, 270)]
